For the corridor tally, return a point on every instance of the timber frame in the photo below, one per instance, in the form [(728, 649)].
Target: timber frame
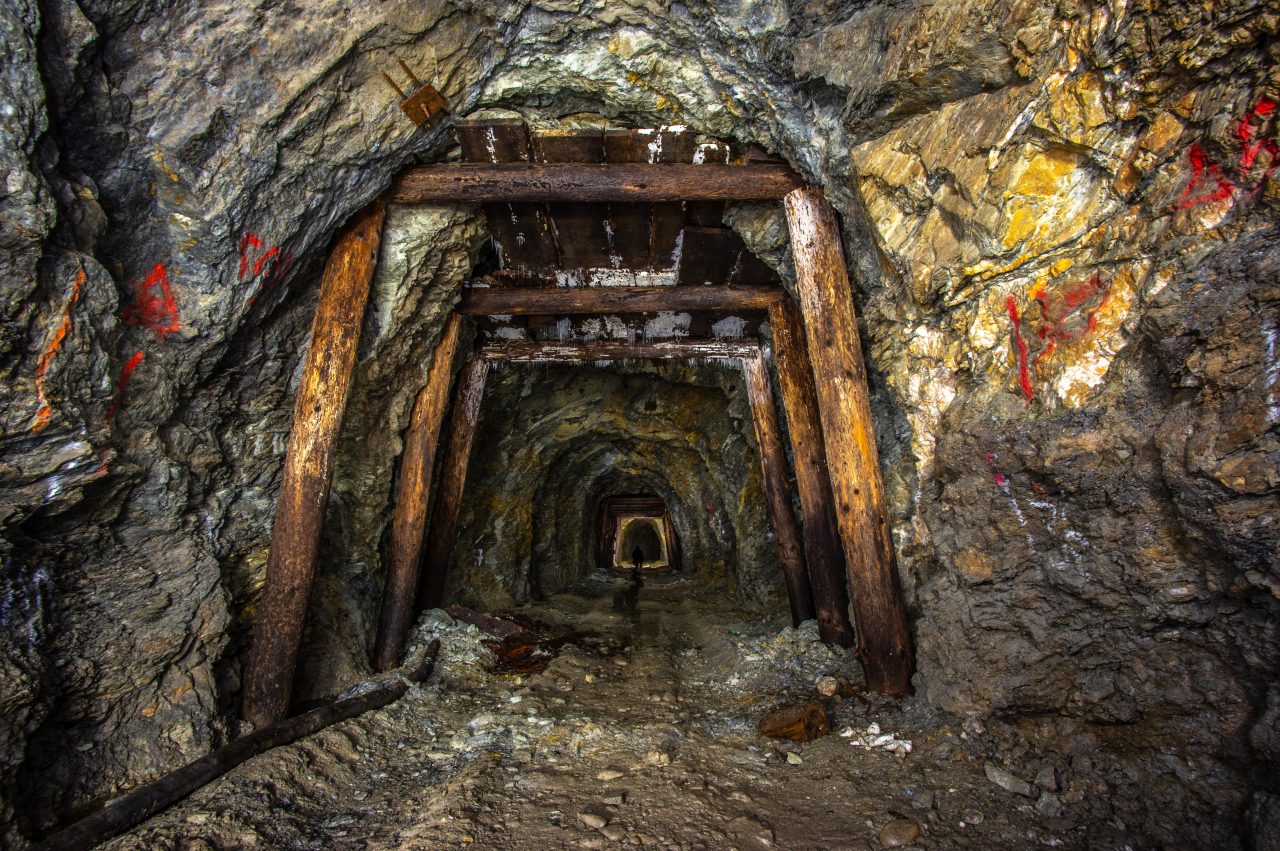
[(822, 382)]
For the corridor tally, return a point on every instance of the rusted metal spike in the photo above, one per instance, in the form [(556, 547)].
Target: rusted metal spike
[(409, 71), (392, 84)]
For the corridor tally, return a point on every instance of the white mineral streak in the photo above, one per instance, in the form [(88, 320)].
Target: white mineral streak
[(490, 140), (931, 390), (1272, 376), (508, 332), (678, 251), (615, 328), (729, 328), (667, 325), (1047, 90), (564, 328)]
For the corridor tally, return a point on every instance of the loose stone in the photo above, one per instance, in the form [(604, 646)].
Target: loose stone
[(899, 832)]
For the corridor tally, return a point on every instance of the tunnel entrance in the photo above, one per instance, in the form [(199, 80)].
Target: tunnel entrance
[(631, 522), (640, 544), (610, 245)]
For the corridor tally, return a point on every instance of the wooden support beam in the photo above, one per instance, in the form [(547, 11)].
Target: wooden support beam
[(591, 182), (308, 467), (413, 496), (844, 407), (453, 476), (568, 301), (773, 467), (122, 813), (813, 481), (599, 350)]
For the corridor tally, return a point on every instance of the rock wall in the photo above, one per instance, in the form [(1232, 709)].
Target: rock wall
[(1059, 220)]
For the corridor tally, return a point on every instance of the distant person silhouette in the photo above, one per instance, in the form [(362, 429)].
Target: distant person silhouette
[(637, 557)]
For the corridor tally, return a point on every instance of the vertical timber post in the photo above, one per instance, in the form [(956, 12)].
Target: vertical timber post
[(413, 495), (453, 476), (844, 408), (308, 467), (813, 481), (773, 466)]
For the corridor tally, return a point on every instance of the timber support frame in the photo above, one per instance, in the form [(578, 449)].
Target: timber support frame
[(822, 380), (308, 467)]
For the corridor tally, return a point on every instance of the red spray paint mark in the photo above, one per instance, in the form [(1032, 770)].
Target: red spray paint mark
[(1024, 373), (46, 357), (990, 458), (271, 255), (1053, 330), (1202, 171), (154, 307), (125, 374), (267, 267), (1249, 149), (1208, 184)]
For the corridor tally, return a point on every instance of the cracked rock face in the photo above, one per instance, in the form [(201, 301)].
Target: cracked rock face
[(1058, 219)]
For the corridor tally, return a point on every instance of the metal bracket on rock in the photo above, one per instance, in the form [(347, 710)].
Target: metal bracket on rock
[(424, 105)]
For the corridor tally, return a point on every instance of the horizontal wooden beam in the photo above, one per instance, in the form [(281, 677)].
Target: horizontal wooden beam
[(566, 301), (526, 352), (593, 182)]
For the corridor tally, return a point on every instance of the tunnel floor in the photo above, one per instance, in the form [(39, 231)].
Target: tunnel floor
[(645, 735)]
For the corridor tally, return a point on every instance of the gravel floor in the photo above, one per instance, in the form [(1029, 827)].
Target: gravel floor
[(642, 734)]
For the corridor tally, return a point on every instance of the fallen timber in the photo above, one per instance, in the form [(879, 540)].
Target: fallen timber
[(120, 814)]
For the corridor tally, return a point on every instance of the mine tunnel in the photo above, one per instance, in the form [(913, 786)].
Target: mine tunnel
[(925, 357)]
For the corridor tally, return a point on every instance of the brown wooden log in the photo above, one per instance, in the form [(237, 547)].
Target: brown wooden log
[(813, 481), (589, 182), (122, 813), (413, 496), (802, 723), (308, 467), (844, 407), (773, 468), (524, 352), (569, 301), (453, 476)]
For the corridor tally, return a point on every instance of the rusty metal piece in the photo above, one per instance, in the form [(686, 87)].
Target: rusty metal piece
[(802, 723), (424, 105)]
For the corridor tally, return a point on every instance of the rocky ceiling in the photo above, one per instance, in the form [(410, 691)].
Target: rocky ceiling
[(1060, 221)]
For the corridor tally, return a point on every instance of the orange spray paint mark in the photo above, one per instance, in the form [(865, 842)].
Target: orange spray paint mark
[(154, 307), (46, 357), (1024, 372), (125, 374)]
